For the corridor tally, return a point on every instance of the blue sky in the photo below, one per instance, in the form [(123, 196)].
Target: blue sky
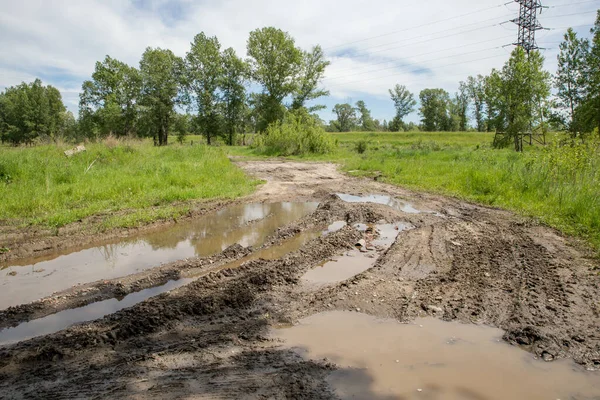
[(371, 46)]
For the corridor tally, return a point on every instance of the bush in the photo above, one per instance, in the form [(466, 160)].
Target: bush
[(361, 146), (298, 134)]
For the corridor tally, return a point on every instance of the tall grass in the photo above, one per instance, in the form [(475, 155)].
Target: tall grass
[(559, 185), (41, 186)]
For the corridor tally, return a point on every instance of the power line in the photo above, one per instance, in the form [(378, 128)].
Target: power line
[(368, 52), (573, 4), (414, 27), (416, 70), (409, 64), (422, 54)]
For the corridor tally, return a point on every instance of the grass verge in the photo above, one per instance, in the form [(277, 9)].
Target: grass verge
[(41, 186)]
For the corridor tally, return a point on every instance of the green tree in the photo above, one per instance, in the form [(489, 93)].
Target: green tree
[(233, 93), (346, 117), (520, 89), (434, 110), (275, 64), (570, 77), (475, 87), (161, 76), (312, 71), (590, 109), (28, 111), (203, 74), (461, 104), (109, 99), (365, 121), (404, 101)]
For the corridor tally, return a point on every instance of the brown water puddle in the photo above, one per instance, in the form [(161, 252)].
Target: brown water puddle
[(380, 199), (62, 320), (248, 224), (356, 261), (431, 359)]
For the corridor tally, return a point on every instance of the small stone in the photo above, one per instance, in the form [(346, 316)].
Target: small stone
[(487, 274), (419, 390), (397, 361), (12, 273), (357, 309)]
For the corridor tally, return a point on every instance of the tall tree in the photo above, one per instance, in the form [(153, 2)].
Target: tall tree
[(28, 111), (275, 64), (517, 93), (590, 109), (434, 110), (346, 117), (311, 73), (161, 74), (461, 102), (233, 93), (110, 98), (570, 77), (475, 87), (364, 120), (203, 73), (404, 101)]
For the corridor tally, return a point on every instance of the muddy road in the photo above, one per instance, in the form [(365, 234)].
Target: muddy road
[(213, 324)]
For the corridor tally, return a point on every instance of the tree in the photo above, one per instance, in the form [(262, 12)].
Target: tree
[(28, 111), (434, 110), (590, 109), (233, 93), (364, 120), (475, 89), (461, 106), (570, 77), (110, 98), (312, 71), (203, 73), (275, 64), (346, 117), (491, 87), (517, 92), (161, 76), (404, 101)]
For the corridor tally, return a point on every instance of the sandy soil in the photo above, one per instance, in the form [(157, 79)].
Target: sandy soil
[(209, 339)]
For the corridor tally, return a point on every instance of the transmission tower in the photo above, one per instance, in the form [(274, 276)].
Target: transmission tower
[(528, 23)]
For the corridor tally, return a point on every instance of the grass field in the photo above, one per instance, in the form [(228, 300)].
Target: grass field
[(558, 186), (41, 186)]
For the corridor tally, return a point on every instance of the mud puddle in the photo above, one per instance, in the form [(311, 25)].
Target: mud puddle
[(63, 319), (380, 199), (248, 224), (356, 261), (431, 359)]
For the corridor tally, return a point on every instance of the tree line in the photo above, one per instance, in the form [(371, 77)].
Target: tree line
[(513, 100), (204, 92)]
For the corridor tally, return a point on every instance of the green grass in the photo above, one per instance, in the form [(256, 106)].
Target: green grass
[(41, 186), (559, 186)]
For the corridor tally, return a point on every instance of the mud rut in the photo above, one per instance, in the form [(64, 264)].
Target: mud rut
[(209, 339)]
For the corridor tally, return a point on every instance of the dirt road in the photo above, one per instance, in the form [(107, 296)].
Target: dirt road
[(210, 338)]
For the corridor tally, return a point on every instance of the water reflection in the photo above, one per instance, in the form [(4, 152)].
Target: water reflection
[(246, 224)]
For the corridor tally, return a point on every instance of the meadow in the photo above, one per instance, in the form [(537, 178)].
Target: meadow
[(556, 185), (41, 186)]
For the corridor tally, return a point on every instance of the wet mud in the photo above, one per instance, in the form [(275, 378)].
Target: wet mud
[(527, 292)]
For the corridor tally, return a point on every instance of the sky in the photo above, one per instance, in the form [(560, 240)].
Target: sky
[(372, 45)]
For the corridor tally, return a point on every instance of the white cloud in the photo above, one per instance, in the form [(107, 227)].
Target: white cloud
[(61, 40)]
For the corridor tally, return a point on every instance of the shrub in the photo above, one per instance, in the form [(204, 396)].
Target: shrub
[(361, 146), (298, 134)]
